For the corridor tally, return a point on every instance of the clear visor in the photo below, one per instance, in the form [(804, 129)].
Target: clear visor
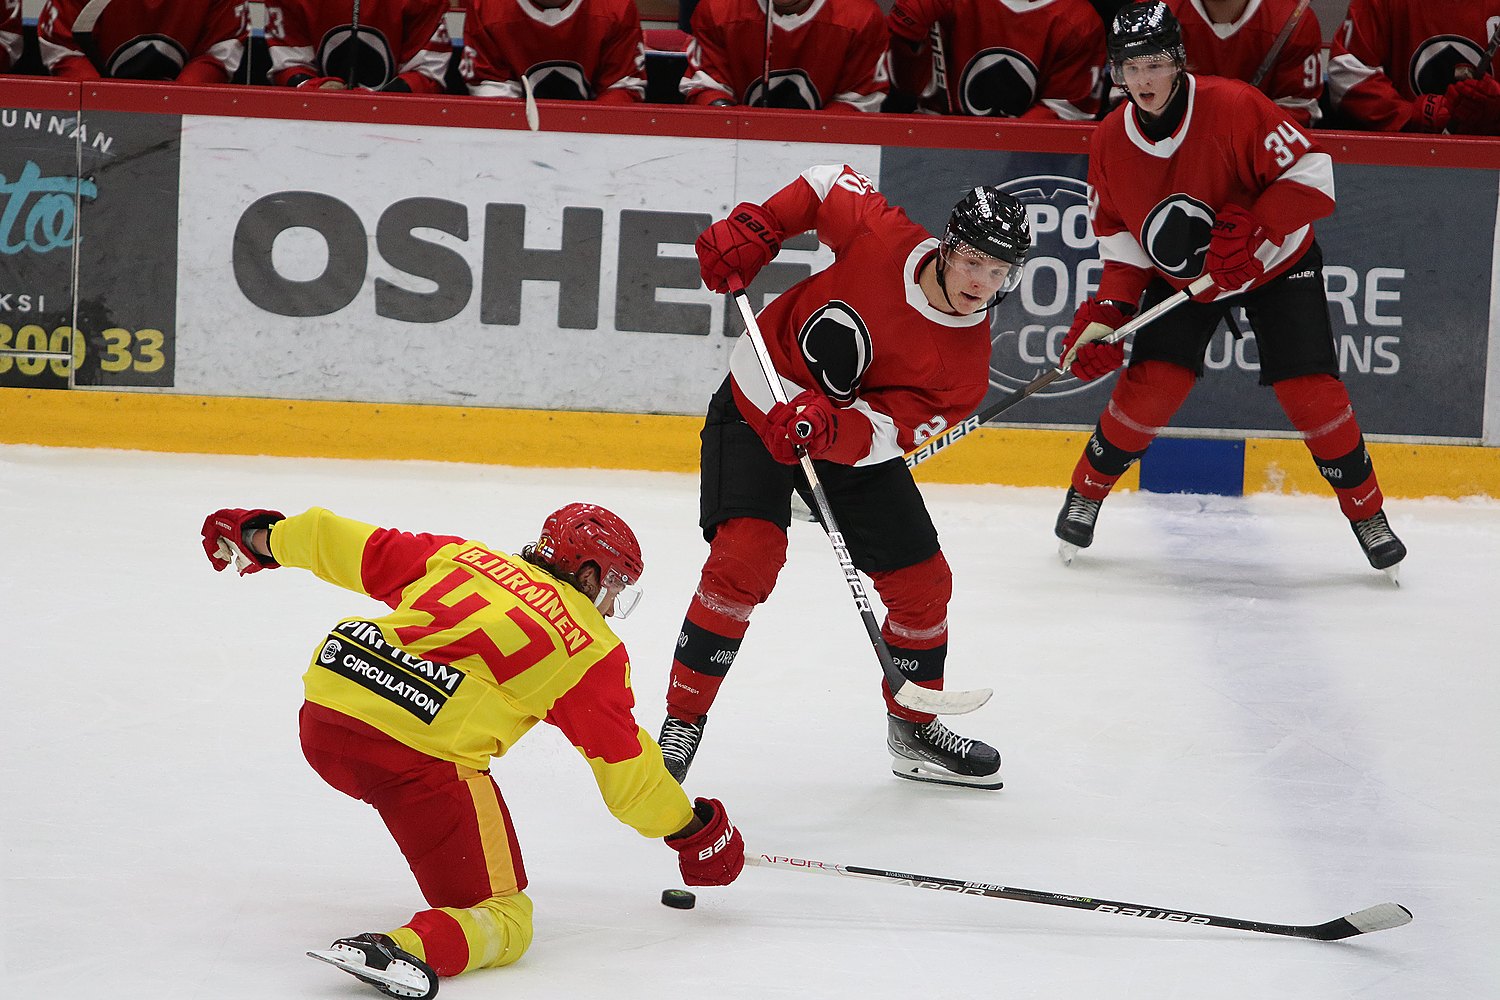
[(968, 261), (626, 594)]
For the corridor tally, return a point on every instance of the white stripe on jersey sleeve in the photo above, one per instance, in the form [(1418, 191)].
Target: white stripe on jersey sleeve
[(283, 56), (1314, 170), (1123, 248), (497, 88), (864, 102), (883, 446), (1345, 72), (1305, 104), (427, 62), (702, 81), (822, 178), (1068, 111)]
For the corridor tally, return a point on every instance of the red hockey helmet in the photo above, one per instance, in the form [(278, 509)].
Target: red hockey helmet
[(583, 533)]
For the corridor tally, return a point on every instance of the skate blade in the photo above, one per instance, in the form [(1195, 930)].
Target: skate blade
[(398, 980), (914, 771), (1394, 573), (1066, 551)]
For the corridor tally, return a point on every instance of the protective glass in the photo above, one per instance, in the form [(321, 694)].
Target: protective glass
[(627, 594)]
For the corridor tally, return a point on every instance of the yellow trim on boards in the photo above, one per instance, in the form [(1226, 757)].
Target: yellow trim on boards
[(151, 421)]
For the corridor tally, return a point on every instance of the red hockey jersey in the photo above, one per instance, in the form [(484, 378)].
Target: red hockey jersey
[(190, 41), (1153, 204), (833, 55), (1012, 58), (588, 50), (1389, 51), (1237, 49), (405, 40), (862, 331), (10, 34)]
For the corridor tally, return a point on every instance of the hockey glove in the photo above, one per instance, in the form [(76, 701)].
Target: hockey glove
[(731, 252), (1429, 113), (1476, 106), (224, 534), (808, 422), (715, 855), (321, 83), (1232, 259), (1083, 355)]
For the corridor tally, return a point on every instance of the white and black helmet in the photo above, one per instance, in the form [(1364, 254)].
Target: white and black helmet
[(1145, 29), (991, 222)]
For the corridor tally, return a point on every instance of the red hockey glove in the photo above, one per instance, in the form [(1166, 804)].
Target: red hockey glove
[(809, 422), (1082, 354), (715, 855), (224, 534), (731, 252), (1232, 260), (1476, 106), (322, 83), (1430, 113)]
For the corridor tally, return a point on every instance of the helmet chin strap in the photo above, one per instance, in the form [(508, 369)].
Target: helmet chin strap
[(942, 255)]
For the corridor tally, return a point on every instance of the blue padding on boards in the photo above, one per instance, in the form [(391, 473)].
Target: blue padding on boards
[(1193, 465)]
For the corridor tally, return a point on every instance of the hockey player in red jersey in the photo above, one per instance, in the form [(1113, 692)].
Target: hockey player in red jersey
[(1193, 176), (825, 55), (406, 709), (10, 34), (569, 50), (1036, 59), (189, 41), (1233, 37), (878, 352), (1414, 66), (396, 46)]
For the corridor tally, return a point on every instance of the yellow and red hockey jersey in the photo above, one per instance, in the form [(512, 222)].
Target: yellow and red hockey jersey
[(479, 647)]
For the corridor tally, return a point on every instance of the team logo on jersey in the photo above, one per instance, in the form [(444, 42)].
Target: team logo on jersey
[(560, 80), (998, 83), (363, 56), (1176, 235), (790, 88), (836, 345), (147, 57), (1433, 63)]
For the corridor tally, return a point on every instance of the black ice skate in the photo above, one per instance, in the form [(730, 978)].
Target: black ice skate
[(679, 744), (932, 752), (1075, 524), (1382, 547), (377, 960)]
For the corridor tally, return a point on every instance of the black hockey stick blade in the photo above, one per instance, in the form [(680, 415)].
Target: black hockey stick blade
[(1367, 921), (1280, 43)]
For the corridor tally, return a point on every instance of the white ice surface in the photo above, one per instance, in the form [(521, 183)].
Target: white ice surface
[(1219, 707)]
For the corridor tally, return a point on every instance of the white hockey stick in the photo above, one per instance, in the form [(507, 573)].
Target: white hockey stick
[(907, 694), (1380, 917)]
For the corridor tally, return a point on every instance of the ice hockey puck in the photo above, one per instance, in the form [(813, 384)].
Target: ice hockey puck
[(678, 899)]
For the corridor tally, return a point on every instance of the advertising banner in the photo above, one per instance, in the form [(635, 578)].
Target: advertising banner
[(465, 266), (102, 187), (1410, 320)]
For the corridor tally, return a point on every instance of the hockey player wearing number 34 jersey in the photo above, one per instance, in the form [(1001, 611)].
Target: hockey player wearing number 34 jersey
[(1205, 176), (886, 347), (405, 710)]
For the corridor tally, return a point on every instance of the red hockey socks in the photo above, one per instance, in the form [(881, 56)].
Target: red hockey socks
[(1318, 406), (1142, 404), (916, 625), (744, 559)]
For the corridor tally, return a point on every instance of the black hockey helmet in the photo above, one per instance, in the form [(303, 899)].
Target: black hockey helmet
[(993, 223), (1145, 29)]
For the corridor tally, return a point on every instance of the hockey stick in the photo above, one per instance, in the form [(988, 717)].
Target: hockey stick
[(912, 696), (765, 80), (354, 46), (83, 31), (940, 66), (1486, 61), (1382, 916), (1279, 43), (985, 415)]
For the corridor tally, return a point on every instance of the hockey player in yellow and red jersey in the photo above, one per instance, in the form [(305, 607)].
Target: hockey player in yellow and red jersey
[(1034, 59), (189, 41), (881, 350), (1202, 176), (1233, 37), (568, 50), (405, 710), (396, 46), (1414, 66), (825, 55)]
